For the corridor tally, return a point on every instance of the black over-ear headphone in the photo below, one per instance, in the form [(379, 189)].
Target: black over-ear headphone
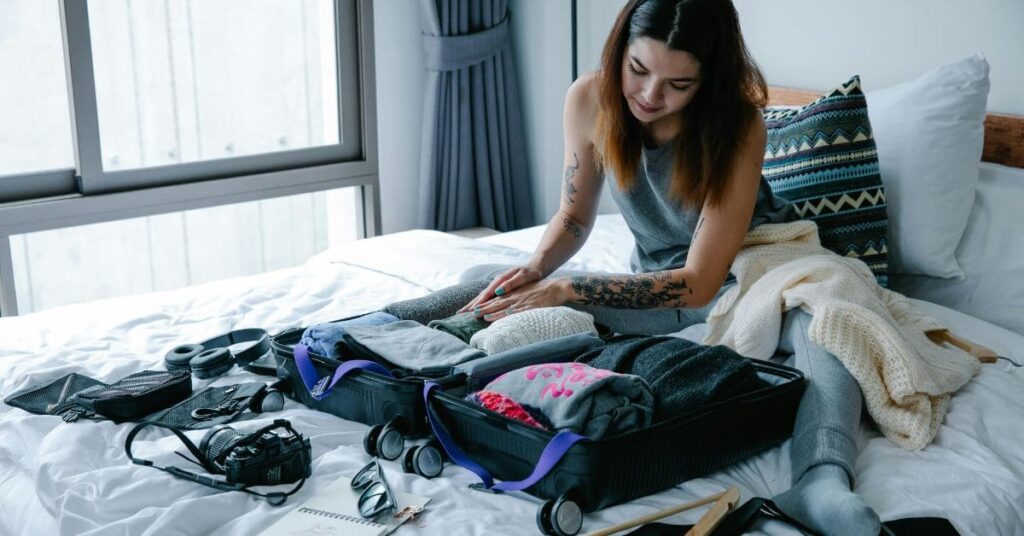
[(213, 357)]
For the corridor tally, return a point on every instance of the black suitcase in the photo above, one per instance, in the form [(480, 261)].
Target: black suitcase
[(600, 473), (376, 398), (361, 395)]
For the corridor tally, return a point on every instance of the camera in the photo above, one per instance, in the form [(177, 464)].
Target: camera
[(273, 455)]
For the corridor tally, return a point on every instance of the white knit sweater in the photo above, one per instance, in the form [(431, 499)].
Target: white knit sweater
[(876, 333)]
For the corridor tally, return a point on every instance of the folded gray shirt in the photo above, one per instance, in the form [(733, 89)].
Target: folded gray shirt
[(411, 345), (589, 401)]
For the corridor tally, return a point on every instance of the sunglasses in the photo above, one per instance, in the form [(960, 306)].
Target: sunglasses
[(377, 496)]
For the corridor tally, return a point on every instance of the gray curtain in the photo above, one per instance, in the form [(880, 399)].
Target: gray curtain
[(473, 165)]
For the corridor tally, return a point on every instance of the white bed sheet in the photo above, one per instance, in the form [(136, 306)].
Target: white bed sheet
[(74, 478)]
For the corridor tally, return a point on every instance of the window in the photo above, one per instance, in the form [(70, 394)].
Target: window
[(169, 251), (189, 81), (35, 133), (142, 110)]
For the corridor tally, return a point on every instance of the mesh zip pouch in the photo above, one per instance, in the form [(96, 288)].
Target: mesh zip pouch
[(56, 397), (137, 395)]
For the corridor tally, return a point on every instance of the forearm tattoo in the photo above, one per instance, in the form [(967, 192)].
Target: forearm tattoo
[(572, 227), (568, 187), (641, 291)]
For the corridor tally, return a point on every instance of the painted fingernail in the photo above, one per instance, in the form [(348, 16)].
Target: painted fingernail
[(476, 310), (499, 291)]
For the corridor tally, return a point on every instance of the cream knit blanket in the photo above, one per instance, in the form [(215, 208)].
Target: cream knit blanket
[(876, 333)]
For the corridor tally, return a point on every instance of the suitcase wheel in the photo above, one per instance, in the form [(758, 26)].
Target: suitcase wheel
[(560, 517), (424, 460), (386, 440)]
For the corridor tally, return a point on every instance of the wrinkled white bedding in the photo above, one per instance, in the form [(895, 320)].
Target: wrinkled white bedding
[(60, 478)]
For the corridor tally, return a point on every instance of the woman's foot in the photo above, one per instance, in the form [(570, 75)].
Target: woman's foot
[(822, 500)]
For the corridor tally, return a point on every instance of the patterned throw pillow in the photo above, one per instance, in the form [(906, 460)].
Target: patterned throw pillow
[(822, 159)]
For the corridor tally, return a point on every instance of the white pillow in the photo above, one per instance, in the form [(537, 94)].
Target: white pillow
[(930, 134), (991, 253)]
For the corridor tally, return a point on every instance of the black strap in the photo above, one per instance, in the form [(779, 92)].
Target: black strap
[(274, 498)]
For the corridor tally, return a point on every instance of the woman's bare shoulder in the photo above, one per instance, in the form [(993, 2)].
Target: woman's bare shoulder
[(582, 102)]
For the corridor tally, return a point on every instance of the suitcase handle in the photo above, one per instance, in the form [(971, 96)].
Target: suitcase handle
[(552, 454), (319, 387)]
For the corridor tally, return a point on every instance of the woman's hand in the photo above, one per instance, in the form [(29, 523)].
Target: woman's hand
[(544, 293), (506, 282)]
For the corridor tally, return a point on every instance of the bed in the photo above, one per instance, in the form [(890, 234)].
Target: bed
[(58, 478), (74, 478)]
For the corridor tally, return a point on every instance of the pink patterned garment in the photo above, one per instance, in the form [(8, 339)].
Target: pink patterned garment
[(504, 405)]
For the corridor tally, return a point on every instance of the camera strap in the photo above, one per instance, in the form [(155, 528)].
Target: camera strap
[(274, 498)]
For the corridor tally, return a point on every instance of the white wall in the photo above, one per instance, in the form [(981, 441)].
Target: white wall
[(809, 44), (400, 78), (803, 44), (542, 45)]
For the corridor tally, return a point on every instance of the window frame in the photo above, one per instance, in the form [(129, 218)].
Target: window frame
[(54, 199)]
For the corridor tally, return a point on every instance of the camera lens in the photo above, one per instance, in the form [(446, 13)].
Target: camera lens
[(219, 440)]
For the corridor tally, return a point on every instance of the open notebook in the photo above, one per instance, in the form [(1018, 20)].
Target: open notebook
[(334, 512)]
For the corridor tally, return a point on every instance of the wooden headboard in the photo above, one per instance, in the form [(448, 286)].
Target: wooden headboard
[(1004, 134)]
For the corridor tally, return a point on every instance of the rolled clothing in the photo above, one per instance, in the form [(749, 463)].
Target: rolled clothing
[(439, 304), (507, 407), (324, 339), (413, 346), (592, 402), (682, 374), (530, 326), (463, 325)]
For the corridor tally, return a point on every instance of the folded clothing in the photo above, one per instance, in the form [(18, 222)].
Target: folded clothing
[(462, 325), (589, 401), (412, 346), (682, 374), (323, 338), (439, 304), (504, 405), (480, 371), (532, 326)]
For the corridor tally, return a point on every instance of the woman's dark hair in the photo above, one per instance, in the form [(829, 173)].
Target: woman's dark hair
[(731, 94)]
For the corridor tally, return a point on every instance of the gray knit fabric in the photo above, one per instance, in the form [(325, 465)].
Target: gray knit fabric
[(589, 401), (411, 345), (439, 304), (530, 326), (662, 228)]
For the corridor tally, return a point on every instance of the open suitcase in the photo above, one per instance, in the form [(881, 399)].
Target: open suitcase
[(576, 475), (374, 395)]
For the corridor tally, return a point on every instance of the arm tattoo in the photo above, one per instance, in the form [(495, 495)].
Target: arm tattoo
[(568, 187), (571, 226), (641, 291)]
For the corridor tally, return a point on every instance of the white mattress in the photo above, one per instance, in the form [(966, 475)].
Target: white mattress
[(60, 478)]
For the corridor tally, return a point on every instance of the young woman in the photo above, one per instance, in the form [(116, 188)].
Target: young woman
[(673, 119)]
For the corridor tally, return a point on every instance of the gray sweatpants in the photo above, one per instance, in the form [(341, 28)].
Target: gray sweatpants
[(828, 417)]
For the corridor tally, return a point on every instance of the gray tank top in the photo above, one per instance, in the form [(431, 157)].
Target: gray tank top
[(661, 227)]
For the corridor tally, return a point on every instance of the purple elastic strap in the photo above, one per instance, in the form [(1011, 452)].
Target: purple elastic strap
[(318, 387), (552, 454)]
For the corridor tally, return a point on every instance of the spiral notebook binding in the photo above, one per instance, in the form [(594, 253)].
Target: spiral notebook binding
[(332, 515)]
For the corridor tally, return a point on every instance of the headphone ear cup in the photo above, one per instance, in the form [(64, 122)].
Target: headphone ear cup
[(370, 439)]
